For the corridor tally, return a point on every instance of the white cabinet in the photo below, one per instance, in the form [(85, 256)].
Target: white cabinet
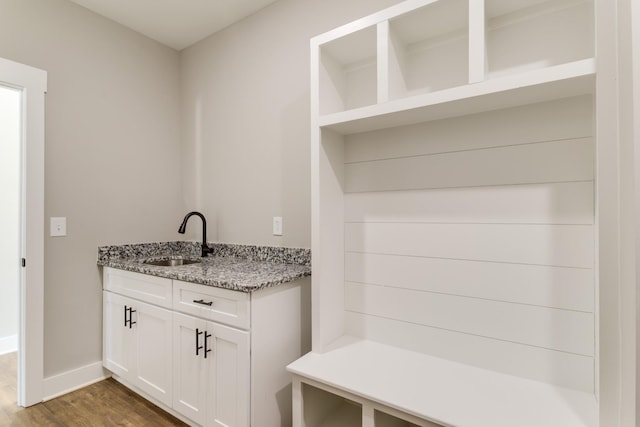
[(211, 371), (117, 336), (211, 363), (137, 344), (190, 368), (211, 356)]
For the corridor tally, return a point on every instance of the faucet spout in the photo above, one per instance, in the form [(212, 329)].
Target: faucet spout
[(183, 228)]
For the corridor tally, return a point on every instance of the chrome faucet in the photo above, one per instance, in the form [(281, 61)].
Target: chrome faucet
[(183, 227)]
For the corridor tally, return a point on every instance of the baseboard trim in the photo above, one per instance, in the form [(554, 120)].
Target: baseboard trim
[(75, 379), (8, 344)]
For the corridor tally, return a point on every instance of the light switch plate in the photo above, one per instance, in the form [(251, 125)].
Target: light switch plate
[(58, 226), (277, 226)]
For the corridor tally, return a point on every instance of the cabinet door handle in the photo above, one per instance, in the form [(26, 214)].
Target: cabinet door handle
[(125, 315), (131, 311), (203, 302), (206, 350), (198, 346)]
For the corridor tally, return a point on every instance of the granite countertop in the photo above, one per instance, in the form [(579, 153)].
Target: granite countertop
[(237, 267)]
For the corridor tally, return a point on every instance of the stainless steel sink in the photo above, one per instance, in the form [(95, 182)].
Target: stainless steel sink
[(172, 262)]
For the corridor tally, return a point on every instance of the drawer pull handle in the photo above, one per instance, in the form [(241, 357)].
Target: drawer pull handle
[(198, 346), (129, 320), (203, 302), (206, 349)]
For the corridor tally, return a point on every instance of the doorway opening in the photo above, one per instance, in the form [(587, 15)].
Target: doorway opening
[(22, 91), (10, 173)]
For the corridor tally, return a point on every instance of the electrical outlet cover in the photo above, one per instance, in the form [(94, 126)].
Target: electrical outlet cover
[(58, 226)]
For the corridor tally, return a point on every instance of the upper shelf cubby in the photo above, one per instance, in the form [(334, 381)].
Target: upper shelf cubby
[(348, 71), (428, 59), (526, 35), (428, 49)]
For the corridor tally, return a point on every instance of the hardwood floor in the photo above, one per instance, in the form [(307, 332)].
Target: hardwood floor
[(106, 403)]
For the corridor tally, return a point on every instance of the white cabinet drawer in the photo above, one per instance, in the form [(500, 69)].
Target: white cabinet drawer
[(151, 289), (220, 305)]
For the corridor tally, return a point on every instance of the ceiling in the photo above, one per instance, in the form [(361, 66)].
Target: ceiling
[(175, 23)]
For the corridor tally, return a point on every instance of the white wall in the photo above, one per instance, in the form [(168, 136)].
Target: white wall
[(112, 131), (245, 105), (10, 106)]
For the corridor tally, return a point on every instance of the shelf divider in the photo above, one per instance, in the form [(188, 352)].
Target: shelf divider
[(477, 41), (368, 416), (384, 62)]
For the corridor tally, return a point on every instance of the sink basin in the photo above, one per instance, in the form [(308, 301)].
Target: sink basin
[(173, 262)]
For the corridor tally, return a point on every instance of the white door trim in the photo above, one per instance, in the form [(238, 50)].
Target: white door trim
[(33, 83)]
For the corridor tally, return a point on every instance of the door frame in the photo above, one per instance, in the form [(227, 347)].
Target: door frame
[(33, 84)]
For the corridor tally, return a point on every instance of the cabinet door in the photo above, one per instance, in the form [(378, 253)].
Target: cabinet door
[(228, 403), (153, 350), (190, 368), (117, 345)]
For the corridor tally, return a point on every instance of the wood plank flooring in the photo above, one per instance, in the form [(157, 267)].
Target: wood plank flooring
[(106, 403)]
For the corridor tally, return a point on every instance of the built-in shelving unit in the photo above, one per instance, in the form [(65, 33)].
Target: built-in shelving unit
[(424, 55), (453, 220)]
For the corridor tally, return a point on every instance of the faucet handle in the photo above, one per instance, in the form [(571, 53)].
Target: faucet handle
[(206, 249)]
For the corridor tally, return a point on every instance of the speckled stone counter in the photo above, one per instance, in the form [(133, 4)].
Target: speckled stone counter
[(237, 267)]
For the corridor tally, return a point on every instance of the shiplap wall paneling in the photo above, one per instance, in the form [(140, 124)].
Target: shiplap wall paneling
[(553, 203), (551, 161), (563, 330), (534, 285), (536, 363), (473, 239), (569, 118), (552, 245)]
